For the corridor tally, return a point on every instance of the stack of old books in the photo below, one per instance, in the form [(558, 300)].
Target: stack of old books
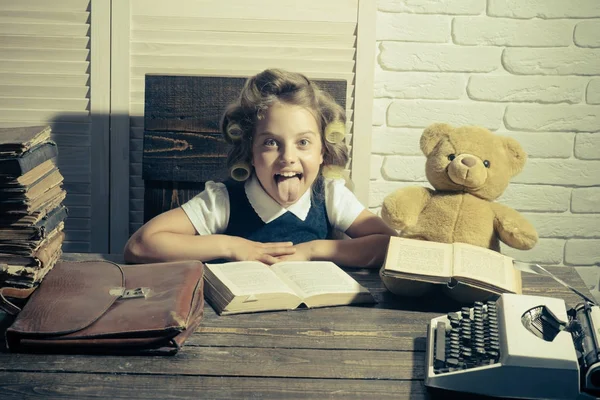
[(32, 213)]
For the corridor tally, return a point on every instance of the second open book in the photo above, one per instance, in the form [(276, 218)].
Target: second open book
[(448, 263), (251, 286)]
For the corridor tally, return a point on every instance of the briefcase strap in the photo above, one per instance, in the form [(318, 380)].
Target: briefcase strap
[(8, 306)]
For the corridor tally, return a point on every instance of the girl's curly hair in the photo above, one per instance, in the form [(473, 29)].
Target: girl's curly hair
[(278, 86)]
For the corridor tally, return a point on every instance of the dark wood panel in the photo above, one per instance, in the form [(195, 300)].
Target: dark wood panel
[(20, 385), (187, 103), (184, 156), (238, 361), (182, 140)]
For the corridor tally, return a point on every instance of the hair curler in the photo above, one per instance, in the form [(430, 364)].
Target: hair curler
[(335, 131), (234, 132), (240, 171)]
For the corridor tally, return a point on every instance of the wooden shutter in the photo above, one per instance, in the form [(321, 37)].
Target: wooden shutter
[(215, 37), (46, 49)]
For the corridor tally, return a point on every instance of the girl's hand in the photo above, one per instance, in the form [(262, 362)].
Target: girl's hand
[(268, 253), (304, 252)]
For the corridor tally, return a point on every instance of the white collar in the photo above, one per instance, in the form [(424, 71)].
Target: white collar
[(268, 209)]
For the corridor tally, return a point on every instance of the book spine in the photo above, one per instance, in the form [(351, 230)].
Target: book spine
[(51, 221)]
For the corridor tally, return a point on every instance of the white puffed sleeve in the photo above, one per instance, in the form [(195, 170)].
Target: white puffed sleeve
[(208, 211), (342, 205)]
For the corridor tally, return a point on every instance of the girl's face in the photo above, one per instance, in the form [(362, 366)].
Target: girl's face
[(287, 152)]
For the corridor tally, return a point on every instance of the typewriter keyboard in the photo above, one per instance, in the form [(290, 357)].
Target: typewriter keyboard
[(469, 339)]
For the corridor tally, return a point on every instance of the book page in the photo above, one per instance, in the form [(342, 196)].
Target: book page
[(419, 257), (248, 278), (485, 265), (310, 278)]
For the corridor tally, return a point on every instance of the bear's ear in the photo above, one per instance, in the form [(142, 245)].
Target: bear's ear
[(432, 135), (516, 154)]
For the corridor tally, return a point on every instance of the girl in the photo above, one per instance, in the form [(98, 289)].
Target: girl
[(285, 131)]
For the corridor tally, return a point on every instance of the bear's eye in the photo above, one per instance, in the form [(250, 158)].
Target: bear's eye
[(486, 163), (451, 157)]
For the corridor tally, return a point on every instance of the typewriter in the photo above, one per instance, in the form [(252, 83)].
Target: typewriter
[(518, 346)]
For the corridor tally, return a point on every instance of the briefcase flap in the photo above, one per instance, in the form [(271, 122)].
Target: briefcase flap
[(99, 299)]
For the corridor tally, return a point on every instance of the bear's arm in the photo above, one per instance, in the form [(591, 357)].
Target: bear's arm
[(401, 208), (513, 229)]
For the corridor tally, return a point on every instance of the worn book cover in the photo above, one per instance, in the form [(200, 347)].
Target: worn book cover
[(29, 178), (12, 167), (469, 271), (33, 229), (27, 271), (16, 141), (251, 286), (27, 248), (24, 194), (45, 201)]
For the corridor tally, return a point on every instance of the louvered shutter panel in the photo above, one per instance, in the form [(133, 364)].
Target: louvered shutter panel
[(45, 54)]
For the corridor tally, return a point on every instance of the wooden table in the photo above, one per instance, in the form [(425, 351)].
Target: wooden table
[(349, 352)]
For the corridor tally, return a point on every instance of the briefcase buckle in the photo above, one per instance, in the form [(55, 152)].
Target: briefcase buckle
[(123, 293), (135, 293)]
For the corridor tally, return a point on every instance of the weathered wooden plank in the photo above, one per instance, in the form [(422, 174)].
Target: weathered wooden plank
[(237, 361), (386, 338), (20, 385), (188, 103), (184, 156)]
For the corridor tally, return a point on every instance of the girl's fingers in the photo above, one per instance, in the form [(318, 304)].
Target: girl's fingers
[(277, 244), (281, 251), (268, 259)]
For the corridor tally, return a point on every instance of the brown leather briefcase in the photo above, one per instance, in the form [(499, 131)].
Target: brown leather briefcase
[(103, 307)]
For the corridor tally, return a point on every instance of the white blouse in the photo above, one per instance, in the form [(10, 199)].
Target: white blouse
[(208, 211)]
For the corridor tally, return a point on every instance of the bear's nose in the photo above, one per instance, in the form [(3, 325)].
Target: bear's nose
[(468, 161)]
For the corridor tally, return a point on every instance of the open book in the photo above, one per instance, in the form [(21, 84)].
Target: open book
[(251, 286), (450, 264)]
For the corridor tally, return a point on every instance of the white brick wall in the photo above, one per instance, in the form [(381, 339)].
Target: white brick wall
[(528, 69)]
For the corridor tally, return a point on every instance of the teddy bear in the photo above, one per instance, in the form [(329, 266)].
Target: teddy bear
[(469, 167)]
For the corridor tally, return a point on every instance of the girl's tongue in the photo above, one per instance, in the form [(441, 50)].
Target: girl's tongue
[(288, 188)]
